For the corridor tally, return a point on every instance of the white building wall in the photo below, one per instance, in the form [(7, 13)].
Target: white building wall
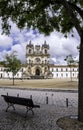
[(64, 72), (57, 71)]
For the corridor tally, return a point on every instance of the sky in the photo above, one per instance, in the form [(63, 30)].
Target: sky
[(60, 47)]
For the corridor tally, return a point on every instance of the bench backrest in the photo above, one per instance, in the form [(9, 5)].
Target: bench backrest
[(18, 100)]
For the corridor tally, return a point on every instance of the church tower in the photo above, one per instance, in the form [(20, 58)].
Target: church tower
[(37, 61), (45, 49)]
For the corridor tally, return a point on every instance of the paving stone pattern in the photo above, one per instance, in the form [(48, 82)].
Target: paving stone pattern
[(45, 117)]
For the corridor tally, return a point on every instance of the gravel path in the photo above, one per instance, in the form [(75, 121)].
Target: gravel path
[(45, 117)]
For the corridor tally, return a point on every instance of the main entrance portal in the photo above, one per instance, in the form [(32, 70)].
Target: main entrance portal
[(37, 72)]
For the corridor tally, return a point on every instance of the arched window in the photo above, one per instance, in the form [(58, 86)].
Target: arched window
[(45, 51), (45, 61), (45, 69), (29, 51), (29, 61)]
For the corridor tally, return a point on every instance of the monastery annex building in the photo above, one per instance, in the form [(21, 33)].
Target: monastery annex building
[(38, 65)]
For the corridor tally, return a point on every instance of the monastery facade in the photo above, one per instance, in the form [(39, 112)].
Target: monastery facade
[(38, 65), (37, 61)]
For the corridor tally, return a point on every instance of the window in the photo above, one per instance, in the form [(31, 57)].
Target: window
[(66, 75), (45, 69), (22, 70), (45, 51), (29, 61), (57, 75), (61, 75), (29, 51), (45, 61), (61, 69), (57, 69), (1, 75), (37, 60), (52, 69), (29, 69), (66, 69), (1, 69), (17, 75)]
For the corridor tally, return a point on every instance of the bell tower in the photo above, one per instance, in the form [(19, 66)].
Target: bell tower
[(29, 48), (45, 48)]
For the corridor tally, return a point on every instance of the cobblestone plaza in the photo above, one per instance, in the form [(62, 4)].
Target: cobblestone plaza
[(46, 116)]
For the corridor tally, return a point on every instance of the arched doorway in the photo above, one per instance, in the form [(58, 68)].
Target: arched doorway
[(37, 72)]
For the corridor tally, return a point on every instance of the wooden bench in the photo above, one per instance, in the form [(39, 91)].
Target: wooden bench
[(12, 100)]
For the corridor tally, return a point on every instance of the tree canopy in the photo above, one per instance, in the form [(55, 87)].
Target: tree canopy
[(70, 60), (71, 63), (48, 15), (12, 64)]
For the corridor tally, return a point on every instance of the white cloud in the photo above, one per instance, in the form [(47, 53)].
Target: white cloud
[(60, 46), (2, 55), (5, 42), (21, 51)]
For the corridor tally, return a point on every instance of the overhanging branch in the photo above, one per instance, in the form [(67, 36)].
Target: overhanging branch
[(77, 9), (75, 21)]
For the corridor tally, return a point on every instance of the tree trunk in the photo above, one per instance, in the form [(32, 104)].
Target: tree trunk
[(70, 72), (80, 83)]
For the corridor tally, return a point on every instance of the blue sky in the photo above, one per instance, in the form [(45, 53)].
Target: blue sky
[(60, 46)]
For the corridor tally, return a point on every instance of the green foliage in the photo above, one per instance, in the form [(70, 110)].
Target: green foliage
[(70, 60), (12, 64), (2, 63), (48, 15), (81, 3), (71, 63)]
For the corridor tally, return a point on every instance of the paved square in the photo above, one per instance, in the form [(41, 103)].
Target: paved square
[(45, 117)]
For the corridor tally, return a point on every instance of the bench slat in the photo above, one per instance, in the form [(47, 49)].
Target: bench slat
[(20, 101)]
